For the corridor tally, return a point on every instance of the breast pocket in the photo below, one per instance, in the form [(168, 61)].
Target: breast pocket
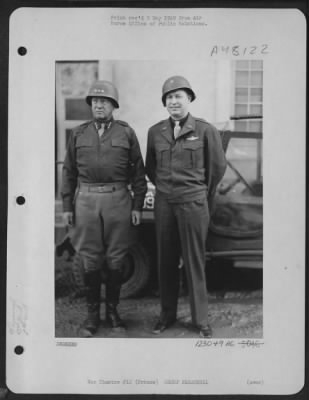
[(121, 143), (193, 156), (163, 155), (120, 150), (85, 152)]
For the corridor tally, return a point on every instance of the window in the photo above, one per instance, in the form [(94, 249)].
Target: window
[(249, 102), (73, 79), (248, 94)]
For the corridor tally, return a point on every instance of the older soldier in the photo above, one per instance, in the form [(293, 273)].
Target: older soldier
[(103, 157), (185, 161)]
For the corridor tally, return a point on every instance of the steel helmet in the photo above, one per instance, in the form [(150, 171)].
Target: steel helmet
[(103, 89), (175, 83)]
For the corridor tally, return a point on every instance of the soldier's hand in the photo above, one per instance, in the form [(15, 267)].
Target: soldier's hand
[(136, 217), (68, 218)]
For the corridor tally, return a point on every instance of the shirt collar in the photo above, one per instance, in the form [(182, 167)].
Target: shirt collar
[(182, 121), (107, 123)]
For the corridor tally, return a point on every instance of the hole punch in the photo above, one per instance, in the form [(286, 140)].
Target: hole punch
[(20, 200), (22, 51), (19, 350)]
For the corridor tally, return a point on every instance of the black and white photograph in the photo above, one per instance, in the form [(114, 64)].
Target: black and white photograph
[(208, 228), (156, 201)]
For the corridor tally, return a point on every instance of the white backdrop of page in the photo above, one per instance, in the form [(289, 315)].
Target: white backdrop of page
[(210, 37)]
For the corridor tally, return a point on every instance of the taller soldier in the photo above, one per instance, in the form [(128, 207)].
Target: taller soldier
[(185, 161), (103, 157)]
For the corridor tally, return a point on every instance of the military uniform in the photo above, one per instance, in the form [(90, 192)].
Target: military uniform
[(96, 174), (185, 172), (99, 170)]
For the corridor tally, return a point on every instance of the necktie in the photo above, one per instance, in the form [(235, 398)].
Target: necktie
[(177, 129), (101, 128)]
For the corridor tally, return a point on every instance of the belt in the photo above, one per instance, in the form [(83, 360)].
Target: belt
[(103, 187)]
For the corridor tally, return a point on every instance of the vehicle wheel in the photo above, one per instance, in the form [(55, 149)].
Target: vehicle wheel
[(136, 273)]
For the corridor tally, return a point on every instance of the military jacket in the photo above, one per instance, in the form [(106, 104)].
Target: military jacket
[(113, 157), (188, 167)]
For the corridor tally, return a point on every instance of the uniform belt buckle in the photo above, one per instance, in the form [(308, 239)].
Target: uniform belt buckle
[(101, 189)]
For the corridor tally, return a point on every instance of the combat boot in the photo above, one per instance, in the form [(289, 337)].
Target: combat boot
[(93, 290), (113, 287)]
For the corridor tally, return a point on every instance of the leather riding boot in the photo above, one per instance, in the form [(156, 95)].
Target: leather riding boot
[(113, 286), (93, 290)]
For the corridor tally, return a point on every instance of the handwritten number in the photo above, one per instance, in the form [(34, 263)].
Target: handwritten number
[(235, 51), (239, 50), (214, 50)]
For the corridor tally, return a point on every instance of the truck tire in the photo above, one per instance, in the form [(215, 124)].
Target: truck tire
[(136, 273), (136, 270)]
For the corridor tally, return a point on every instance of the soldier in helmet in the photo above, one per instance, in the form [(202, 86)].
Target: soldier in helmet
[(103, 157), (185, 161)]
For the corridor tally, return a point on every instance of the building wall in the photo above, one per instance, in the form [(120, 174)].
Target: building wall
[(140, 89)]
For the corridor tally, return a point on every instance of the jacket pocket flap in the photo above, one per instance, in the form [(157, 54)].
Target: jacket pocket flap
[(192, 144), (84, 142), (120, 143), (162, 147)]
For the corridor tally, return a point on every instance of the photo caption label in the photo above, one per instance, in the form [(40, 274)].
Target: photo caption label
[(158, 21)]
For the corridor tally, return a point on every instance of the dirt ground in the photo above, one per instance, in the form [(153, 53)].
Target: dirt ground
[(234, 315)]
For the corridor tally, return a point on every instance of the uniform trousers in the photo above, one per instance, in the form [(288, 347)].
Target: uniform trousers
[(181, 228), (102, 226)]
